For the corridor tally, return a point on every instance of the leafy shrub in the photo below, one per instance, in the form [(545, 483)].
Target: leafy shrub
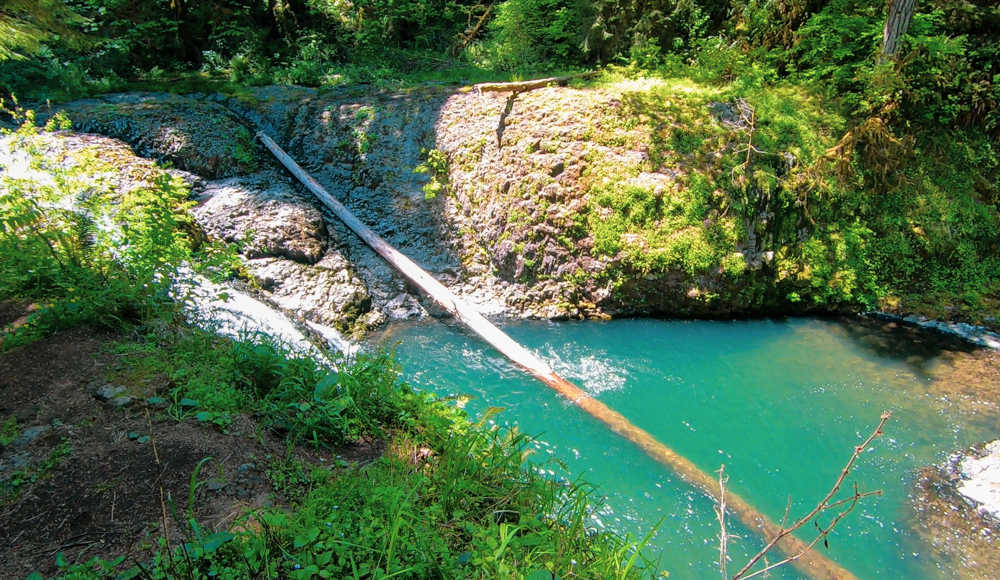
[(526, 33), (88, 252)]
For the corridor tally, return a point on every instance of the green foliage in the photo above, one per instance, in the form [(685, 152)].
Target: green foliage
[(945, 75), (314, 403), (25, 24), (87, 251), (528, 33), (474, 509), (448, 499), (9, 430), (437, 166), (639, 31)]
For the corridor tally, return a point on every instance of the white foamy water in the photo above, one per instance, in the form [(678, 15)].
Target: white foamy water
[(594, 372), (229, 312)]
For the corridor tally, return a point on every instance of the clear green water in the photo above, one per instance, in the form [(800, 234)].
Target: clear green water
[(780, 403)]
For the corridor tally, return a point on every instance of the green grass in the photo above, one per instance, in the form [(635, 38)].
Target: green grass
[(448, 499), (9, 430)]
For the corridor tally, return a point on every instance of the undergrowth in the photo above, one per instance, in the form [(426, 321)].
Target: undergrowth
[(770, 200), (84, 249), (449, 499)]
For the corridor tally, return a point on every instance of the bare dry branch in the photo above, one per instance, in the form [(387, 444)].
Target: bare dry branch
[(720, 513), (827, 503)]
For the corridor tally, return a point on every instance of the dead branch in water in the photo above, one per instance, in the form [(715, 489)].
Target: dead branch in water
[(827, 503), (724, 535), (522, 86)]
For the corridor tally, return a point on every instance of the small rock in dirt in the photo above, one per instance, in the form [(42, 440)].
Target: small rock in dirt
[(30, 435), (14, 463), (123, 401), (108, 392)]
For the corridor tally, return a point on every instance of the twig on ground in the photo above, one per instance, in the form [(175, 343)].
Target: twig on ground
[(159, 484)]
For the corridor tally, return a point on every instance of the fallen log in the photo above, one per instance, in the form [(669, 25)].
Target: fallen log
[(522, 86), (806, 560)]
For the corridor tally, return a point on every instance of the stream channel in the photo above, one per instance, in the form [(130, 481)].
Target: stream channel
[(781, 403)]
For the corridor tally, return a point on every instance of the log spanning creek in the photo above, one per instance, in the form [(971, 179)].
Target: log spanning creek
[(780, 403), (754, 416)]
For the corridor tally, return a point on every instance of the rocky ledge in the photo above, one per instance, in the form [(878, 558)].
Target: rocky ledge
[(512, 174), (957, 507), (977, 335)]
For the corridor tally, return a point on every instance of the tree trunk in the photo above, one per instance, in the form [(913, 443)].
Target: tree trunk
[(187, 48), (896, 24)]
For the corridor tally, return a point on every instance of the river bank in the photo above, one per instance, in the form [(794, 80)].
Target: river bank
[(510, 208)]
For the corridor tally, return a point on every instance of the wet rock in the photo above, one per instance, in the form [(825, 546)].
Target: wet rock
[(404, 306), (202, 137), (373, 319), (959, 532), (980, 478), (333, 297), (978, 335), (265, 213), (362, 148)]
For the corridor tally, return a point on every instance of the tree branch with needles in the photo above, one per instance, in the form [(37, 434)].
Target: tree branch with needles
[(841, 507)]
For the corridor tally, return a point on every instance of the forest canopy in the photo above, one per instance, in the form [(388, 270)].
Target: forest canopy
[(945, 69)]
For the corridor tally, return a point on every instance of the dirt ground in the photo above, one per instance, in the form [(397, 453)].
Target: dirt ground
[(103, 498)]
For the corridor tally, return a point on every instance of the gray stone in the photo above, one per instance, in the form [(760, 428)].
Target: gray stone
[(108, 393), (14, 463), (265, 213), (29, 435), (332, 297), (202, 137), (404, 306), (216, 484), (123, 401)]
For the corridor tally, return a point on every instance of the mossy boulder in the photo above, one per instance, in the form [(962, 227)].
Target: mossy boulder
[(201, 137)]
